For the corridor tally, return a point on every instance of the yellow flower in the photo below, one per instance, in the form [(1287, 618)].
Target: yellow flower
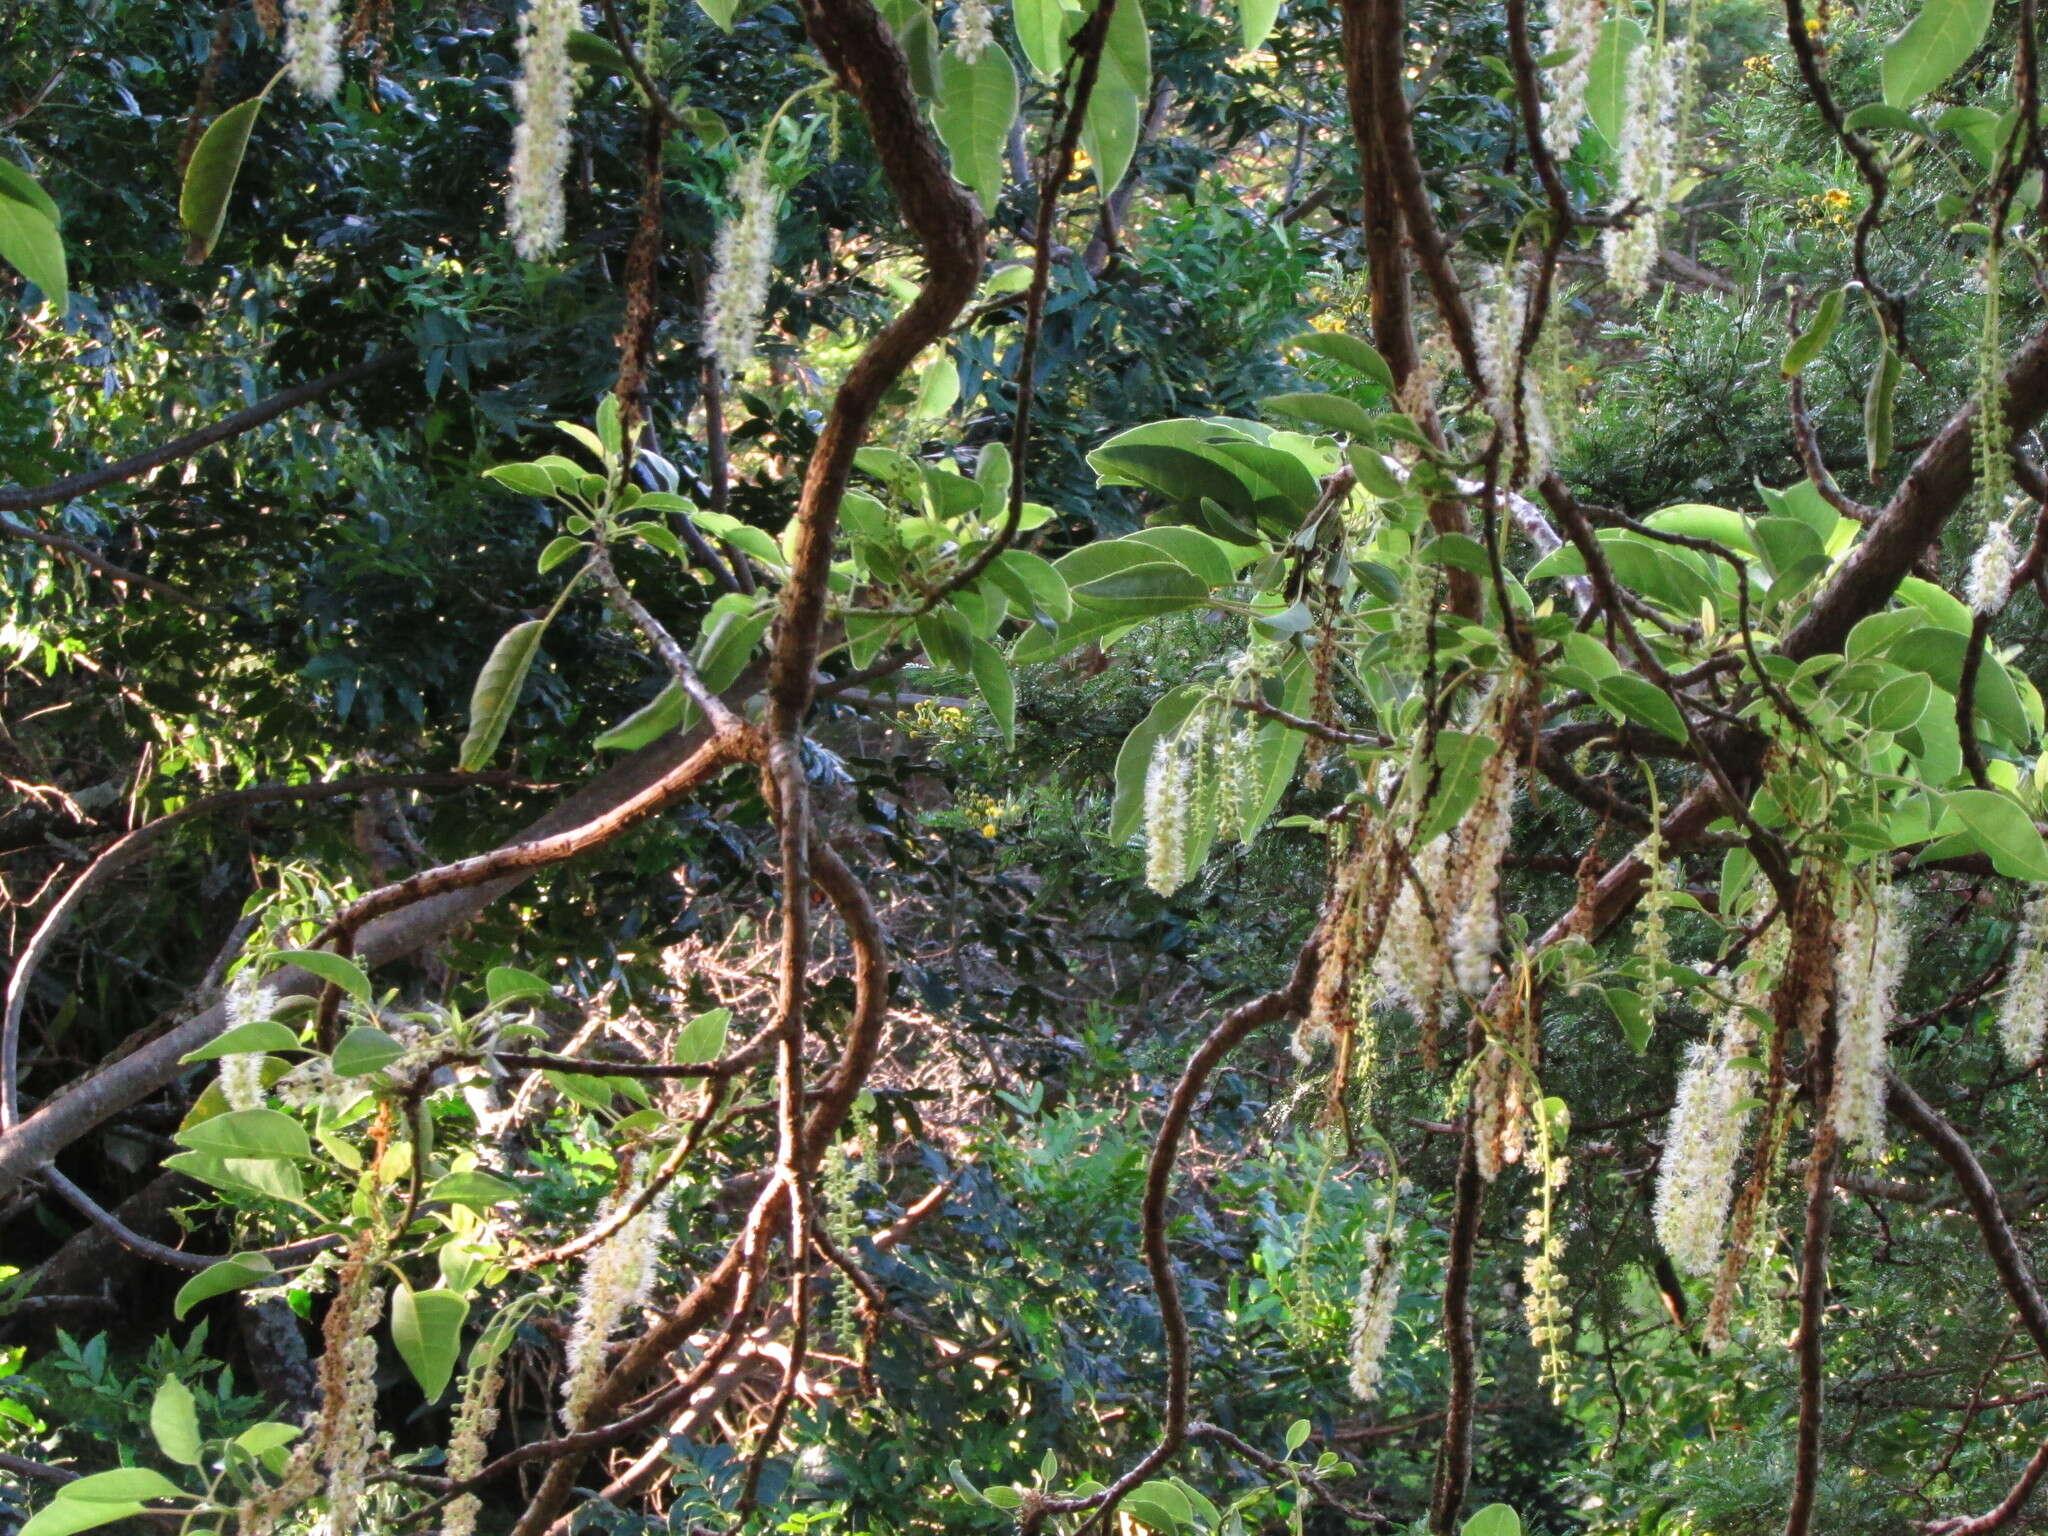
[(1835, 197), (988, 829), (1813, 26)]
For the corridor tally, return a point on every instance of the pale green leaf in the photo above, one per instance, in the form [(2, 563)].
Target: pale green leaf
[(1932, 47), (427, 1328), (976, 104), (1123, 84), (174, 1421), (497, 691), (210, 177)]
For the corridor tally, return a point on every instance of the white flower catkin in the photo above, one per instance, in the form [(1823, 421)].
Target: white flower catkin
[(1372, 1314), (1498, 323), (1575, 25), (546, 96), (1475, 926), (1649, 146), (1868, 964), (353, 1434), (312, 46), (1991, 569), (1696, 1179), (467, 1443), (616, 1278), (1169, 796), (974, 30), (745, 261), (2023, 1013)]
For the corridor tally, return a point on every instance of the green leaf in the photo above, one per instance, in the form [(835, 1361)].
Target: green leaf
[(992, 677), (497, 691), (1297, 1435), (946, 639), (522, 479), (261, 1035), (1932, 47), (508, 984), (230, 1274), (210, 177), (474, 1188), (271, 1177), (1123, 83), (1640, 700), (594, 52), (1255, 19), (1160, 1506), (1134, 759), (656, 718), (703, 1038), (1032, 583), (18, 184), (1042, 28), (28, 236), (1494, 1520), (2004, 831), (1354, 352), (938, 387), (124, 1485), (1900, 703), (1878, 114), (1459, 756), (1607, 77), (1877, 410), (721, 12), (364, 1050), (1806, 346), (328, 966), (174, 1421), (427, 1328), (248, 1133), (62, 1516), (1333, 412), (977, 102)]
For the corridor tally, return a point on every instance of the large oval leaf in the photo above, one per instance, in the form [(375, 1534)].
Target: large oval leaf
[(497, 691), (427, 1328), (1123, 82), (210, 177), (1933, 47), (977, 102)]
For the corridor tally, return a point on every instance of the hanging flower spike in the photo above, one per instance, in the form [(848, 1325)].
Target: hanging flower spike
[(1168, 796), (1991, 569), (546, 96), (1372, 1314), (1868, 965), (312, 46), (746, 255), (973, 30), (1575, 26), (1649, 146), (2023, 1015), (616, 1279), (1696, 1179)]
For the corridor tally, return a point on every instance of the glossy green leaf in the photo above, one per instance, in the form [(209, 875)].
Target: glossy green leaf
[(1042, 28), (364, 1050), (497, 691), (210, 177), (231, 1274), (29, 238), (1331, 412), (938, 389), (174, 1422), (1494, 1520), (123, 1485), (272, 1177), (1932, 47), (1878, 114), (248, 1133), (1640, 700), (330, 967), (703, 1038), (62, 1516), (1807, 345), (1255, 20), (1877, 410), (992, 677), (508, 984), (427, 1328), (1123, 84), (1607, 76), (1354, 352), (258, 1035), (474, 1188), (18, 184), (663, 713), (976, 104), (2004, 831), (1032, 582)]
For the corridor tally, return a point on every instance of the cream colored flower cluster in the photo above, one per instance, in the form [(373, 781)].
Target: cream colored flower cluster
[(2023, 1014), (1372, 1313), (546, 96), (1868, 964), (745, 253), (616, 1278)]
